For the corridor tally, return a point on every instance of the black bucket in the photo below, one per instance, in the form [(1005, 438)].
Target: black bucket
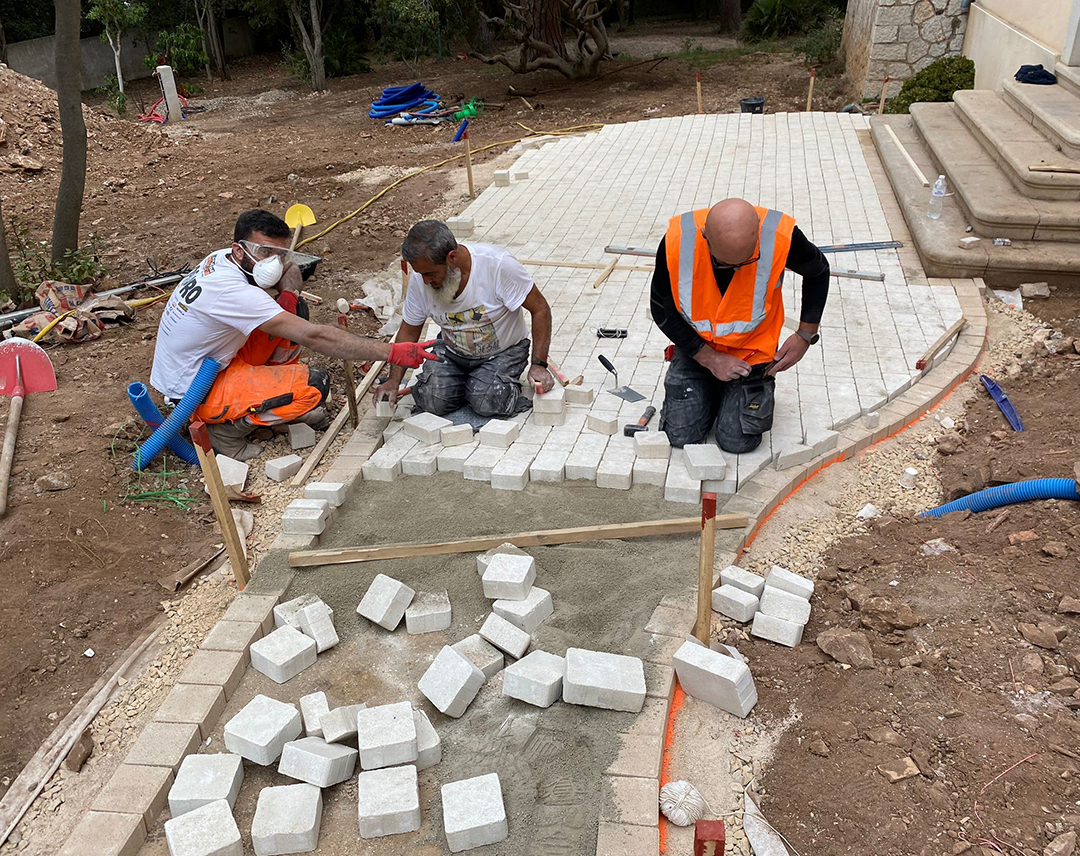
[(752, 105)]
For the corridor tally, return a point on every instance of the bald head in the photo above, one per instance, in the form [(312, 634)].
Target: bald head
[(731, 230)]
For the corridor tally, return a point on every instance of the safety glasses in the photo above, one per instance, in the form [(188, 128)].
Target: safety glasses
[(265, 251), (727, 265)]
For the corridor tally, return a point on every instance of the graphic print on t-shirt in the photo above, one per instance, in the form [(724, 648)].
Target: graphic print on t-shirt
[(471, 332)]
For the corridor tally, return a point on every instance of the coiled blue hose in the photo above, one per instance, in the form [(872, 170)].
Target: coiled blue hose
[(398, 99), (145, 407), (1009, 494), (175, 421)]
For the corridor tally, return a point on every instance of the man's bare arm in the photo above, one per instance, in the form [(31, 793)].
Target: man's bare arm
[(326, 340), (538, 307)]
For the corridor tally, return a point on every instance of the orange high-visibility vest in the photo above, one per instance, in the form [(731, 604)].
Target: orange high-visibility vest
[(746, 321)]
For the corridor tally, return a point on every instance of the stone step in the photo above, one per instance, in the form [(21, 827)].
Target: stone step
[(1054, 110), (1068, 76), (1015, 144), (937, 241), (995, 207)]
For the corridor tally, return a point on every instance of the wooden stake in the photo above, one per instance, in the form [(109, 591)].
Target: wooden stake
[(810, 94), (884, 90), (468, 165), (604, 274), (540, 538), (706, 557), (953, 330), (208, 461), (700, 109), (350, 392)]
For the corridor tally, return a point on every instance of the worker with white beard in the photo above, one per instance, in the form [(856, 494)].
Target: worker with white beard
[(478, 295)]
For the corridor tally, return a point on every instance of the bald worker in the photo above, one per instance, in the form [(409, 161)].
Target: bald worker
[(716, 294)]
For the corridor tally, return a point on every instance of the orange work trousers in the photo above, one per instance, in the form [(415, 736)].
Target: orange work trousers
[(265, 395)]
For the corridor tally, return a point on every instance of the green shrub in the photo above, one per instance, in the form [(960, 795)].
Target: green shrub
[(113, 96), (937, 82), (775, 19), (33, 264), (182, 48), (342, 56), (821, 45)]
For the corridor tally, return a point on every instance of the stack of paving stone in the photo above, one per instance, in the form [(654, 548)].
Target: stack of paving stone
[(784, 608), (739, 593)]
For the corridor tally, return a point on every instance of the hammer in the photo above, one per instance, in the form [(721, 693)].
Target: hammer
[(640, 425)]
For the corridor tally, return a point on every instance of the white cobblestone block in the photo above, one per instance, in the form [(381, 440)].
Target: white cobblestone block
[(793, 455), (484, 559), (206, 831), (548, 466), (533, 434), (421, 461), (234, 473), (388, 801), (386, 735), (428, 613), (733, 575), (204, 779), (283, 654), (473, 813), (527, 614), (777, 630), (301, 436), (705, 461), (502, 178), (317, 623), (384, 465), (783, 604), (536, 678), (603, 422), (288, 613), (552, 401), (734, 603), (313, 760), (261, 728), (333, 492), (599, 679), (722, 487), (623, 448), (385, 602), (305, 517), (784, 579), (481, 462), (580, 394), (287, 820), (390, 430), (509, 576), (549, 420), (583, 463), (425, 427), (680, 485), (456, 435), (650, 471), (340, 723), (821, 440), (284, 467), (652, 444), (511, 473), (461, 227), (451, 682), (716, 679), (384, 409), (452, 459), (428, 742), (313, 707), (482, 654), (617, 474), (505, 636), (499, 433)]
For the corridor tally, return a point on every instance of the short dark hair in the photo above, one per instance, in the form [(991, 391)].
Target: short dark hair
[(258, 220), (428, 240)]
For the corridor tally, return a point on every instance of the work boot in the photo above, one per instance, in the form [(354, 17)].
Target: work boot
[(230, 439), (317, 418)]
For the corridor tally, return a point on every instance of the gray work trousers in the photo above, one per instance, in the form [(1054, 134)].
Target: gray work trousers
[(490, 385)]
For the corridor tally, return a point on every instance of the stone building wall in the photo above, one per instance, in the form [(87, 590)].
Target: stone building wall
[(897, 38)]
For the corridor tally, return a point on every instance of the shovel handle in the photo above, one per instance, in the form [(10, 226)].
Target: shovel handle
[(8, 454)]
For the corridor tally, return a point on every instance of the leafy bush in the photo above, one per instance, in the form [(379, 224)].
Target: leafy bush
[(33, 264), (182, 48), (342, 55), (821, 45), (774, 19), (113, 96), (937, 82)]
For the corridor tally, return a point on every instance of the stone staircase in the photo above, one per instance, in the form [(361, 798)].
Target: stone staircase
[(1012, 163)]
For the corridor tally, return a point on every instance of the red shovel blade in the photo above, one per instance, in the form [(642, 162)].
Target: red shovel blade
[(35, 366)]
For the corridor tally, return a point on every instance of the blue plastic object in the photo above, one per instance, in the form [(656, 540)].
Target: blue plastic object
[(175, 421), (145, 407), (461, 131), (398, 99), (1003, 403), (1009, 494)]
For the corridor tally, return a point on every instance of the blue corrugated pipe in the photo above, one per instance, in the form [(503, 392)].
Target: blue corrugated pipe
[(175, 421), (145, 407), (1009, 494)]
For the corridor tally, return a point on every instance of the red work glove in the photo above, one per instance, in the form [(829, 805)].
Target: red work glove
[(411, 354)]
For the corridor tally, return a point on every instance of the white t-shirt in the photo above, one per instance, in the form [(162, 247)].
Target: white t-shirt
[(487, 317), (211, 313)]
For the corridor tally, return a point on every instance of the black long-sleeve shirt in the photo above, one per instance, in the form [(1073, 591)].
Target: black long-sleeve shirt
[(803, 258)]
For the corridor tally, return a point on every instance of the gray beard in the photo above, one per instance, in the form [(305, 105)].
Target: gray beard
[(446, 295)]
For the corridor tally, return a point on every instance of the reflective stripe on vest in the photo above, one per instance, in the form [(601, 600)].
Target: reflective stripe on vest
[(763, 268)]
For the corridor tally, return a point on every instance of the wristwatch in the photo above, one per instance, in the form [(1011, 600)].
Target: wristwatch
[(542, 363), (809, 338)]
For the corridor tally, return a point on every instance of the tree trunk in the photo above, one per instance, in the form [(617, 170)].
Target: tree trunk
[(69, 196), (217, 48), (3, 43), (7, 276), (545, 24), (115, 45), (730, 15), (318, 60)]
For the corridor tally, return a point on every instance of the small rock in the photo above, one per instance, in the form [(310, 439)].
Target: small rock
[(913, 660), (80, 751), (1026, 720), (1022, 537), (847, 646), (1063, 845), (1069, 605), (847, 731), (858, 594), (819, 747), (883, 614), (898, 770), (1066, 686), (1039, 290), (1038, 635), (884, 734), (1055, 549), (950, 443), (52, 481)]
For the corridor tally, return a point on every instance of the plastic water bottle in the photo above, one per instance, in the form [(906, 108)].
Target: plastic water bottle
[(937, 199)]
